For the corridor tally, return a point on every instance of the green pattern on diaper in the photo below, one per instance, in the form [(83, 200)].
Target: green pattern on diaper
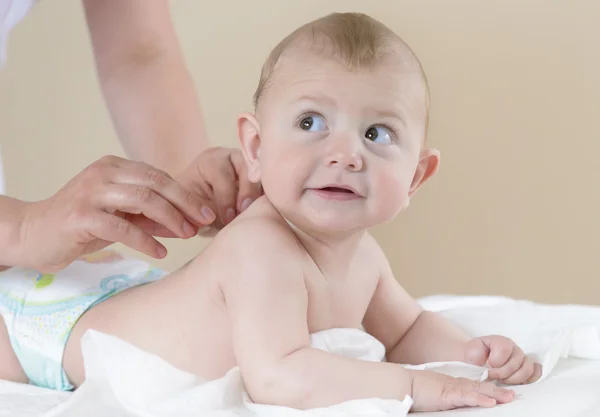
[(44, 280)]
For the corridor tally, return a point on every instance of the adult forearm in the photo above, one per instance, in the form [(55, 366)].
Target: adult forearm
[(155, 110), (148, 89), (311, 378), (432, 338), (10, 231)]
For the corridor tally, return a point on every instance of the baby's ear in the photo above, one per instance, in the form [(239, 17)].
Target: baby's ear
[(429, 163), (249, 136)]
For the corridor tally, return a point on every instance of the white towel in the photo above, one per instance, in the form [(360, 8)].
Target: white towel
[(124, 382), (134, 383), (546, 332)]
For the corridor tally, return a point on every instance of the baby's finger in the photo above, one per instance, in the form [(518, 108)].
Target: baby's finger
[(500, 352), (537, 373), (511, 366), (476, 352), (475, 399), (501, 395), (522, 375), (478, 394)]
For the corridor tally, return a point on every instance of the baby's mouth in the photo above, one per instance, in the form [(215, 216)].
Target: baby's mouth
[(337, 190)]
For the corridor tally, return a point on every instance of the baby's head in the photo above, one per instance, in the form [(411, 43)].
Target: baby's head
[(338, 138)]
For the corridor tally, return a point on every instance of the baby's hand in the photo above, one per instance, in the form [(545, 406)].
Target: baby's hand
[(508, 364), (432, 391)]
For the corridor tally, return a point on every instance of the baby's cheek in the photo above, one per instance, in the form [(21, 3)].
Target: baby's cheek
[(392, 196), (282, 176)]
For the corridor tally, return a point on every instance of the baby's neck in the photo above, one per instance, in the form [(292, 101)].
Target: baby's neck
[(331, 254)]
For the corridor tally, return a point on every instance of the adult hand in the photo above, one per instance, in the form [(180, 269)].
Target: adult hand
[(219, 177), (111, 200)]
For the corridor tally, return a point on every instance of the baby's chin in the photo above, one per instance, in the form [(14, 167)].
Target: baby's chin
[(330, 226), (333, 220)]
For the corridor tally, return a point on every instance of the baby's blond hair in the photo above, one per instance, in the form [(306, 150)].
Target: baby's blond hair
[(355, 38)]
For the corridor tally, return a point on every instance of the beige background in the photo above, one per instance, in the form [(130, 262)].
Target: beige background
[(515, 93)]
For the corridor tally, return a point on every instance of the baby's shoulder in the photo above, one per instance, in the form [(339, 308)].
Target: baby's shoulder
[(258, 249), (260, 234), (371, 250), (372, 255)]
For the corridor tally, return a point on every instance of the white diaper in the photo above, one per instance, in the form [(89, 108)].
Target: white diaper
[(40, 310)]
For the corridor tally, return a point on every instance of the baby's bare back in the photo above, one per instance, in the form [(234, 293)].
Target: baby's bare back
[(183, 318)]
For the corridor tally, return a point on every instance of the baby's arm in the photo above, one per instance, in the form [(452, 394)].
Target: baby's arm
[(267, 300), (414, 336), (410, 334)]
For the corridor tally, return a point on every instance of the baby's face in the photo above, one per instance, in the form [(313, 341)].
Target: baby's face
[(339, 150)]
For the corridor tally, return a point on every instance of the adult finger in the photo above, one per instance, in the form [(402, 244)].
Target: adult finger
[(116, 229), (137, 199), (184, 200), (224, 186), (248, 191), (149, 226)]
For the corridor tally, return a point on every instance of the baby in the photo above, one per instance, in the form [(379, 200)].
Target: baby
[(338, 141)]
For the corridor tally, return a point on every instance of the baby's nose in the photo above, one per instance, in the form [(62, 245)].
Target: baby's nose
[(347, 160)]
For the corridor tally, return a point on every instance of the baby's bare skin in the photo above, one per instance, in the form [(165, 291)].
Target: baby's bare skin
[(215, 314), (183, 318)]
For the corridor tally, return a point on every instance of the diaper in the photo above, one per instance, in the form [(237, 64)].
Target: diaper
[(40, 310)]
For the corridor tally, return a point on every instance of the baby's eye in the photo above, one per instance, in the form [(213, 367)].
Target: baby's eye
[(379, 134), (312, 123)]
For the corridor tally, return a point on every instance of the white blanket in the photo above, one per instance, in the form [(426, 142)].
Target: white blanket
[(124, 382)]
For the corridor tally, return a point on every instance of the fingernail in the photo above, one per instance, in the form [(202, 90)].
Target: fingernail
[(229, 215), (162, 252), (207, 214), (246, 203), (188, 229)]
